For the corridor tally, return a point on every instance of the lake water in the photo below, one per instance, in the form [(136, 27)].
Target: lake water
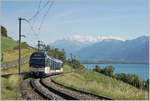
[(142, 70)]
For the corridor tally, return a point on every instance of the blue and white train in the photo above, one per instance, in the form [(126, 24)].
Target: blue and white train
[(41, 64)]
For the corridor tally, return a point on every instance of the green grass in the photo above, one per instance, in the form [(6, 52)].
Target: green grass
[(7, 44), (13, 54), (14, 70), (10, 84), (9, 53), (10, 88), (67, 68), (99, 84)]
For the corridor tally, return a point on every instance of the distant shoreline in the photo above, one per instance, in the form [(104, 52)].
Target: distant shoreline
[(111, 62)]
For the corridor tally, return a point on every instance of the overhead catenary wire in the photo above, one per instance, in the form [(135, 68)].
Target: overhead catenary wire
[(37, 12), (32, 29), (35, 34), (44, 16), (39, 9)]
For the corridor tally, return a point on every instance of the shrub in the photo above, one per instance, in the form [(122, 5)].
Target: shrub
[(131, 79), (23, 45), (97, 69), (109, 71), (121, 76), (3, 31), (56, 53), (75, 64)]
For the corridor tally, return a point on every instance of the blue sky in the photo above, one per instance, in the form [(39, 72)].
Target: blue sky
[(122, 18)]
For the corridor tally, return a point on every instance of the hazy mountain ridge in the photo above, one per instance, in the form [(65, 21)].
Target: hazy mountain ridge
[(108, 49), (68, 45)]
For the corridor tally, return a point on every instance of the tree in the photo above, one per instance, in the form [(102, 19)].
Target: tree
[(109, 71), (97, 69), (47, 47), (130, 79), (75, 64), (3, 31), (133, 79), (56, 53), (23, 45), (121, 76), (146, 86)]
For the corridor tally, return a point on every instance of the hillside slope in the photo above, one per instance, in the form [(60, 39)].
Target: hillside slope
[(7, 43), (99, 84), (9, 49)]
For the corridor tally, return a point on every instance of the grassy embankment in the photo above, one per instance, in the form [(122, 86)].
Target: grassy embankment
[(10, 88), (10, 83), (7, 43), (99, 84), (9, 53)]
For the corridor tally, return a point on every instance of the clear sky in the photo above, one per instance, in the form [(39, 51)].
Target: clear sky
[(121, 18)]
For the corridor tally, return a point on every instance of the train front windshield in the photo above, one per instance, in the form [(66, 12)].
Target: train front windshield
[(37, 60)]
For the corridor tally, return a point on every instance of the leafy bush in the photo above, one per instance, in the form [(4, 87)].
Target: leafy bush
[(56, 53), (131, 79), (3, 31), (23, 45), (75, 64), (97, 68), (109, 70)]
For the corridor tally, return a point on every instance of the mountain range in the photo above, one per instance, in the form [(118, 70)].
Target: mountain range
[(135, 50)]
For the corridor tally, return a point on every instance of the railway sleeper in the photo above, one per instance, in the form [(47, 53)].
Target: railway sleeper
[(72, 92), (44, 91), (69, 92), (65, 95)]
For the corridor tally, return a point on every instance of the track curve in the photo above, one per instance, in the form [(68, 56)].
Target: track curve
[(49, 93), (51, 90), (40, 89)]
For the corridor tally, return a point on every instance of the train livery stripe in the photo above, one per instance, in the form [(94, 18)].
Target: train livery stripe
[(45, 70)]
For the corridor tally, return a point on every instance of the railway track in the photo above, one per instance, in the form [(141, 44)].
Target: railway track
[(54, 91), (49, 93), (72, 92)]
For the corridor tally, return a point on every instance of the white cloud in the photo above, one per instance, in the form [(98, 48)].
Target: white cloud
[(91, 39)]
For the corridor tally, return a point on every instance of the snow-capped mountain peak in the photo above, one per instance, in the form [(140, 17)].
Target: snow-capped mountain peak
[(87, 39)]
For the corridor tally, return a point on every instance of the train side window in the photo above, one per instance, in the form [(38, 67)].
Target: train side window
[(51, 62), (54, 65), (47, 62)]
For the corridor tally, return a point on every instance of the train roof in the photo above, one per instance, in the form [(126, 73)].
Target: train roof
[(45, 54), (57, 60), (40, 53)]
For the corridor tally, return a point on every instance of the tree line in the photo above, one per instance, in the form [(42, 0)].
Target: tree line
[(56, 53), (131, 79), (60, 54)]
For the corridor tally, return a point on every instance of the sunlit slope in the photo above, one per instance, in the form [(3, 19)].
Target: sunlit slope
[(9, 48), (96, 83), (7, 43)]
